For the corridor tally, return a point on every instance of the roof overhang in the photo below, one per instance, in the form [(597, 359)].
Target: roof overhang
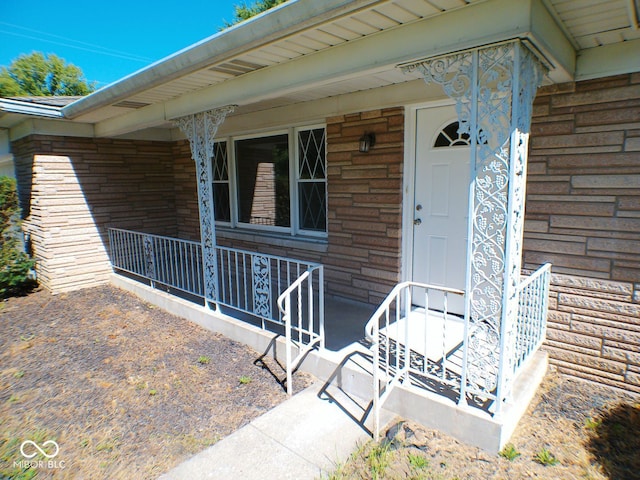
[(8, 105), (329, 54), (262, 29), (478, 24)]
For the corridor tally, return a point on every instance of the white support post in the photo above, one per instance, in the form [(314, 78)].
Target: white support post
[(200, 129), (494, 88)]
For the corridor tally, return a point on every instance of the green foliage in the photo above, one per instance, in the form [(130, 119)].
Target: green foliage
[(546, 458), (204, 360), (417, 461), (509, 452), (244, 380), (15, 264), (244, 12), (38, 74), (379, 459)]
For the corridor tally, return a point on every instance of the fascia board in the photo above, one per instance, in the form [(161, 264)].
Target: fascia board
[(35, 126), (274, 24), (29, 108), (616, 59), (549, 38), (478, 24)]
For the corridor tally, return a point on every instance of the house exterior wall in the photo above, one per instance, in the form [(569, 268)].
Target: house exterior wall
[(583, 215), (362, 252), (73, 189)]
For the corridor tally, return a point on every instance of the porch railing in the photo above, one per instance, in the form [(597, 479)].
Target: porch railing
[(303, 319), (277, 290), (533, 306), (421, 341), (424, 346)]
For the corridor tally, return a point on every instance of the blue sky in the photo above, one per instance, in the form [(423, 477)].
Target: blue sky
[(108, 40)]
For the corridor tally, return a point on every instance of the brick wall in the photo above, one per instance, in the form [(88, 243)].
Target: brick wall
[(186, 192), (365, 204), (583, 215), (362, 254), (73, 189)]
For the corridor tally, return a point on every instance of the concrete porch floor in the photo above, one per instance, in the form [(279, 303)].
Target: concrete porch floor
[(346, 365)]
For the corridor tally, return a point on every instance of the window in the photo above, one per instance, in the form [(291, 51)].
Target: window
[(262, 166), (450, 136), (220, 170), (312, 180), (274, 182)]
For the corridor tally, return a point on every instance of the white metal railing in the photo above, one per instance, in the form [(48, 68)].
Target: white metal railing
[(533, 305), (428, 343), (303, 319), (167, 261), (409, 339), (277, 290)]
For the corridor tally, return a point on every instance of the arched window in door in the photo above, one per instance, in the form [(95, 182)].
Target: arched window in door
[(450, 136)]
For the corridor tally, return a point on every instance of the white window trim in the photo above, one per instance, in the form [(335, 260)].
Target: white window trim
[(294, 229), (295, 165), (229, 182)]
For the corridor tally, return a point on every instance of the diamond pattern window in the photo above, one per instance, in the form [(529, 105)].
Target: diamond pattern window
[(221, 190), (312, 180), (275, 182)]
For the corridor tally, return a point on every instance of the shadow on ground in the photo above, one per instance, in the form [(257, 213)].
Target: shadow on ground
[(615, 441)]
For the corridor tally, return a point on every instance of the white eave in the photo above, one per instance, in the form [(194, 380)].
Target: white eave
[(29, 108), (309, 50), (259, 31)]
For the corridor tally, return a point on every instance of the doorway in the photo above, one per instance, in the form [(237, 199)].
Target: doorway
[(441, 203)]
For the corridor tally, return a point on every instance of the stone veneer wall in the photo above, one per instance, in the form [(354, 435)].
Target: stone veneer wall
[(362, 252), (72, 189), (583, 215)]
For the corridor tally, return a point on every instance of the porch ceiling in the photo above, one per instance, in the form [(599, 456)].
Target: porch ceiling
[(283, 37)]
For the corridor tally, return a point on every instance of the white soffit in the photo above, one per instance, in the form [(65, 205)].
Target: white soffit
[(587, 24), (596, 23), (361, 23)]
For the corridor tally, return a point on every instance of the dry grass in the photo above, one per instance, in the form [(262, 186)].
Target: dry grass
[(572, 430), (121, 386)]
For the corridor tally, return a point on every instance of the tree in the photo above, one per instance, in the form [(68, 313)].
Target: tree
[(39, 75), (244, 11), (15, 265)]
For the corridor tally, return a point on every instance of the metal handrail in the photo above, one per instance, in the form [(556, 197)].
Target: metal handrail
[(403, 353), (368, 332), (313, 338)]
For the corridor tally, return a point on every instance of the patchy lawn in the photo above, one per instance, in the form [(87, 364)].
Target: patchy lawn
[(126, 390), (572, 430)]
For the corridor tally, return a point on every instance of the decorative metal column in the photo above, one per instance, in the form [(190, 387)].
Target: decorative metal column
[(494, 88), (201, 129)]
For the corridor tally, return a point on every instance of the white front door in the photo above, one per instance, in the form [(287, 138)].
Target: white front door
[(441, 204)]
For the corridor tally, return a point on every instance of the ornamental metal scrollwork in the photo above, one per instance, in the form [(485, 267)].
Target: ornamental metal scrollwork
[(149, 257), (201, 129), (493, 88), (261, 268), (482, 347)]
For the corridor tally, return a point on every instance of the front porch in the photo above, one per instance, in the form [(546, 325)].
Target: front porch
[(340, 341)]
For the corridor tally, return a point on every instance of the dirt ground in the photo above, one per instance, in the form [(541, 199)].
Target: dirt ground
[(125, 389), (129, 391), (572, 430)]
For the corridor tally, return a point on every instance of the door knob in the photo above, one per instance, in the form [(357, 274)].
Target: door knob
[(417, 221), (418, 207)]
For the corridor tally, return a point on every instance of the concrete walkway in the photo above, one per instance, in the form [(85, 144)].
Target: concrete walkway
[(302, 438)]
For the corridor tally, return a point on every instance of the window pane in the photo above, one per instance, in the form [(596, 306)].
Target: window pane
[(220, 165), (221, 202), (263, 180), (311, 154), (313, 209)]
